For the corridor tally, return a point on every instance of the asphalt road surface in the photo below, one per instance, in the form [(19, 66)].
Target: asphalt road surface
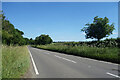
[(48, 64)]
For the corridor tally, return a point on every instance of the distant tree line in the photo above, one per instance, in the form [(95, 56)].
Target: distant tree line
[(13, 36)]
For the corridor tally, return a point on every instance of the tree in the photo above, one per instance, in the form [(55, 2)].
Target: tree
[(98, 29), (32, 42), (43, 39), (0, 26), (10, 35), (27, 41)]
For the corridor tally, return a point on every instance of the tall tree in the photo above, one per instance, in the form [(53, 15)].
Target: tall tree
[(98, 29)]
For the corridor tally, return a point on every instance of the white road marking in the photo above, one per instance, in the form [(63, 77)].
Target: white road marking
[(113, 75), (65, 59), (99, 61), (35, 68)]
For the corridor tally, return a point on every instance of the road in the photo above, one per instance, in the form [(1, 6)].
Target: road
[(48, 64)]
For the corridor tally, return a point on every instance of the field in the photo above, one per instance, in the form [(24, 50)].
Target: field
[(107, 53), (15, 61)]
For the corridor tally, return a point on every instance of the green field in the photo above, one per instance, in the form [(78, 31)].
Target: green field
[(15, 61), (106, 54)]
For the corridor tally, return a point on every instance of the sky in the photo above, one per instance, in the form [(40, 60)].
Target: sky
[(62, 21)]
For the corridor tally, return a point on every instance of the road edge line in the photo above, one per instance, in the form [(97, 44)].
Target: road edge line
[(35, 68)]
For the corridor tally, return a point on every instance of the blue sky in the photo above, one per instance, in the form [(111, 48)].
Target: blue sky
[(63, 21)]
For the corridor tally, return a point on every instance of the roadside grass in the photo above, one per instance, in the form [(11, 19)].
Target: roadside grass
[(15, 61), (105, 54)]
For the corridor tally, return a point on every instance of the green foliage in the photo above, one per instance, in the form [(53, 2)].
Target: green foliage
[(99, 28), (43, 39), (0, 27), (32, 42), (6, 37), (10, 35)]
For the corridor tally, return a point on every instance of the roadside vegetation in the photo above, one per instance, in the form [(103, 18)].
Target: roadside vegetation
[(15, 61), (15, 56), (101, 53), (107, 50)]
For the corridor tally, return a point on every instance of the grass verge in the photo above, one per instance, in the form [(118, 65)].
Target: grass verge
[(105, 54), (15, 61)]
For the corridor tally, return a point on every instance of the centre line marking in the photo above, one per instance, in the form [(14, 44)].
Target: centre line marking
[(35, 68), (65, 59), (113, 75)]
